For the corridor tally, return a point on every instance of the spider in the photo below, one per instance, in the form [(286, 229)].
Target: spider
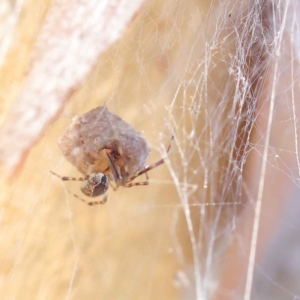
[(97, 184)]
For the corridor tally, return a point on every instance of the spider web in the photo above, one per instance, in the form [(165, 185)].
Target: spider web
[(219, 218)]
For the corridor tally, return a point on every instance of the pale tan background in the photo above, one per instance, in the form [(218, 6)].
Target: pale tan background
[(140, 244)]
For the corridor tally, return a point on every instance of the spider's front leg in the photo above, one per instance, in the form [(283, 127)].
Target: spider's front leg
[(91, 203), (66, 178), (131, 184)]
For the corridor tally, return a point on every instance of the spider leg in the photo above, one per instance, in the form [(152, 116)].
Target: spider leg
[(113, 187), (146, 169), (131, 184), (66, 178), (124, 173), (150, 167), (114, 175), (113, 168), (111, 179), (103, 201)]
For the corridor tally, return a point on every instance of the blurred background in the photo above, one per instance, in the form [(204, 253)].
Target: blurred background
[(219, 218)]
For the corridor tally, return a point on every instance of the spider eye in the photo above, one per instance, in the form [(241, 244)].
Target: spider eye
[(96, 185)]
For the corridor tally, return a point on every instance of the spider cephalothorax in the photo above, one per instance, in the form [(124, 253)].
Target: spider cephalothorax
[(96, 185)]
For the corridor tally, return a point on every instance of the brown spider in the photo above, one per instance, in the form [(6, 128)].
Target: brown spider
[(98, 183)]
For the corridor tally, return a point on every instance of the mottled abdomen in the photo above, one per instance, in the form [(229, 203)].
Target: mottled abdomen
[(84, 140)]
